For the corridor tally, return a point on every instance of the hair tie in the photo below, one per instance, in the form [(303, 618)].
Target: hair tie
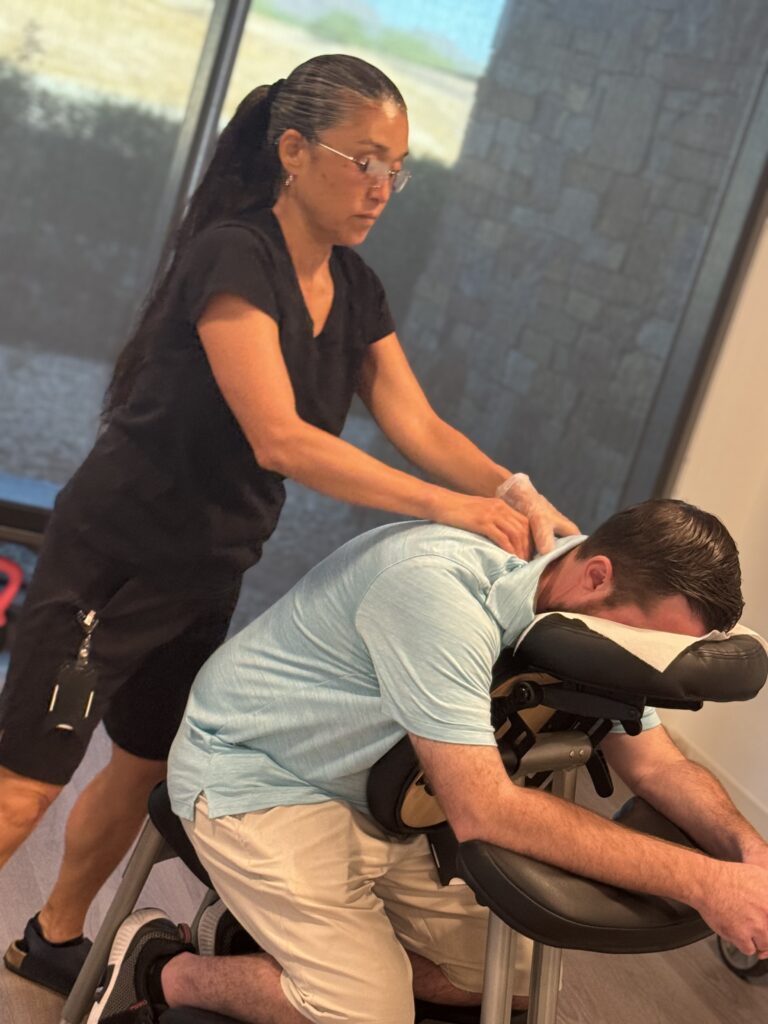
[(274, 89)]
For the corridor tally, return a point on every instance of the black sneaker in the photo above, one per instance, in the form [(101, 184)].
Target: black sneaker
[(219, 933), (53, 965), (144, 937)]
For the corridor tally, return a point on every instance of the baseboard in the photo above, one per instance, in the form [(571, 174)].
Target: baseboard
[(754, 810)]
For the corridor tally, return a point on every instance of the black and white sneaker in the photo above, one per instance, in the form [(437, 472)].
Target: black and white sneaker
[(219, 933), (144, 937)]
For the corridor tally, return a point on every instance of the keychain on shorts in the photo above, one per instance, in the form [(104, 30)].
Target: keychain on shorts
[(75, 687)]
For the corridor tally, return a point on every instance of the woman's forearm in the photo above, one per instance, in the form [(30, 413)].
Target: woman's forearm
[(332, 466), (450, 457)]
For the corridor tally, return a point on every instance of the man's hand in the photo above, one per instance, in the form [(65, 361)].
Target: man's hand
[(736, 906), (757, 856)]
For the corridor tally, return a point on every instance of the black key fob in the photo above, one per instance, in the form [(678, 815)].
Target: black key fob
[(72, 699)]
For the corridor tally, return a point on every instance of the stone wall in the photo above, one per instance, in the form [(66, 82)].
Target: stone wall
[(580, 208)]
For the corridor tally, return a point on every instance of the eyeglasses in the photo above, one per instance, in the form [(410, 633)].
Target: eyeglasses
[(376, 170)]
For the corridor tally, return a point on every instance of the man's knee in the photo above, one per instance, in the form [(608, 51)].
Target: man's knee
[(24, 801)]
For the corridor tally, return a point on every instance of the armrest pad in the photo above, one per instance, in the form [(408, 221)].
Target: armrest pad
[(558, 908)]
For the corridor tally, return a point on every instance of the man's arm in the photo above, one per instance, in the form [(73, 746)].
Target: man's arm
[(655, 769), (480, 802)]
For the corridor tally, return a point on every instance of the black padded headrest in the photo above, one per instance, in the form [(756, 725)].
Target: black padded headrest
[(732, 668)]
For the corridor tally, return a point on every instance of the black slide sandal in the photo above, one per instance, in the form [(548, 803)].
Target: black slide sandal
[(54, 966)]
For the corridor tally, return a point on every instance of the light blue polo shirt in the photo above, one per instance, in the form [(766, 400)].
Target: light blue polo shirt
[(395, 632)]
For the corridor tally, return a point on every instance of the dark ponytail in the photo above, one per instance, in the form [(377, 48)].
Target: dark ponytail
[(245, 170)]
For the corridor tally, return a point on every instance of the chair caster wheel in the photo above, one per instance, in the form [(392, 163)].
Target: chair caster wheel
[(744, 966)]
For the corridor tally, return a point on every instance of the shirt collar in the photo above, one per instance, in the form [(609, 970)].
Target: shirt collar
[(511, 599)]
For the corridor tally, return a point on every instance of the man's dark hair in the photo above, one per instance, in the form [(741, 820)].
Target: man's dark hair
[(664, 547)]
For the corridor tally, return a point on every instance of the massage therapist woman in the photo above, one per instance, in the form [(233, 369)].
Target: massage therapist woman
[(240, 374)]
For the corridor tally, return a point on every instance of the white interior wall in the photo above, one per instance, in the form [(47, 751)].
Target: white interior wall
[(725, 470)]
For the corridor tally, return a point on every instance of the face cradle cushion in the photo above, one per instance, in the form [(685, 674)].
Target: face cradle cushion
[(596, 654)]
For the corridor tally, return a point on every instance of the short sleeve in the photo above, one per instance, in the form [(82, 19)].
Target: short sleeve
[(228, 258), (433, 645), (369, 300), (649, 720)]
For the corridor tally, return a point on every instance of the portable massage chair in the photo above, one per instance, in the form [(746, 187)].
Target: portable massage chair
[(555, 697)]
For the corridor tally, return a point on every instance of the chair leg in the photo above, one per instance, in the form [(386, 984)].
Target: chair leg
[(545, 984), (149, 849), (498, 983), (546, 969)]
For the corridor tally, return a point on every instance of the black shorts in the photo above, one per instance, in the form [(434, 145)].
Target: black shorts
[(148, 645)]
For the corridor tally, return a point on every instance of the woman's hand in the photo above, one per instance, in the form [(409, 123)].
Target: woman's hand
[(491, 517), (545, 521)]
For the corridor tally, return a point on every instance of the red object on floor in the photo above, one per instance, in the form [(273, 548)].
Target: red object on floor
[(14, 578)]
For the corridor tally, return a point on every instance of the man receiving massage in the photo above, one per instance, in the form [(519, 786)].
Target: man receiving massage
[(397, 632)]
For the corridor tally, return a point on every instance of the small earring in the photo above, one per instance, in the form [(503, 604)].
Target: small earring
[(288, 180)]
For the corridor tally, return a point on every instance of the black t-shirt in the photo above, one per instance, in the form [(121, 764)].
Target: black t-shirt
[(172, 487)]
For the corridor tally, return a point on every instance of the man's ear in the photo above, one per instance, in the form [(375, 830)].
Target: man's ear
[(292, 150), (598, 575)]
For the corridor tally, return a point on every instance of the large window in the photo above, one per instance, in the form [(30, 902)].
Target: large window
[(92, 96)]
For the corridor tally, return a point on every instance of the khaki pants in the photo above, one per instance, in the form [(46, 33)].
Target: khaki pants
[(336, 903)]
